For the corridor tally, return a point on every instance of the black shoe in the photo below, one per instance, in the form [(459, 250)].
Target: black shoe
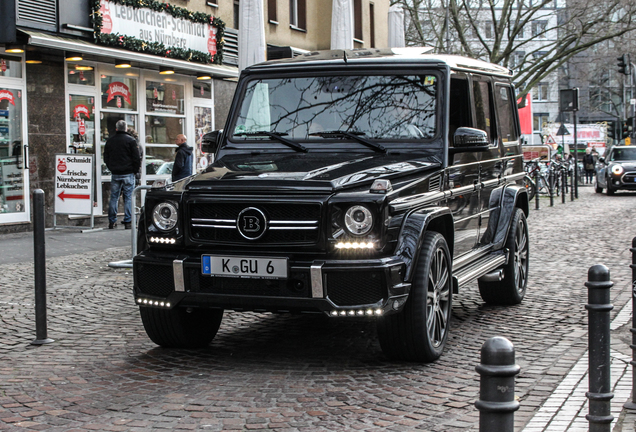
[(111, 225), (127, 225)]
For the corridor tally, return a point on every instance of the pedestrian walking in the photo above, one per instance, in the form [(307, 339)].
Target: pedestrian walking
[(588, 165), (183, 159), (121, 156)]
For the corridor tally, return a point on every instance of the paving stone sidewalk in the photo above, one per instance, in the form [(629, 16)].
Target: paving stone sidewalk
[(299, 373)]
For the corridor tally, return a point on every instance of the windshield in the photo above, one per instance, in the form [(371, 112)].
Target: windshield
[(626, 154), (379, 107)]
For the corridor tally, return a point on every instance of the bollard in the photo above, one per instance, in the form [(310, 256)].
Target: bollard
[(632, 403), (39, 263), (536, 189), (598, 294), (551, 181), (497, 370), (563, 177), (572, 187)]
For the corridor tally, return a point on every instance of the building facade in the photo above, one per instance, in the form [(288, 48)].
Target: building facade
[(70, 69)]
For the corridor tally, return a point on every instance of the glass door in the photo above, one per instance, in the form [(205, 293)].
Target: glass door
[(14, 163)]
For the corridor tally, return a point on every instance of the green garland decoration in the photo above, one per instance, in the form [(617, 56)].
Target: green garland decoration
[(134, 44)]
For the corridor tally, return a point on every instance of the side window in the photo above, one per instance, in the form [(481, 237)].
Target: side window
[(482, 95), (459, 115), (506, 113)]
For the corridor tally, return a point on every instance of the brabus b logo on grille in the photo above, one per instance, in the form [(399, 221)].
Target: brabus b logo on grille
[(251, 223)]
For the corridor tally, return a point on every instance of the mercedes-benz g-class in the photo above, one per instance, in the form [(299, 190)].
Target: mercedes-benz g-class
[(366, 184)]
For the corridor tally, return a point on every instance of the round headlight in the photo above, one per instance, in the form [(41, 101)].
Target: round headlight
[(358, 220), (617, 169), (164, 216)]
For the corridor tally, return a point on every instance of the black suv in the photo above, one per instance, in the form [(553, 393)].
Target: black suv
[(617, 170), (366, 184)]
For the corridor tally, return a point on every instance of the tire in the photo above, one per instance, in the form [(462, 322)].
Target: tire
[(597, 188), (420, 331), (530, 187), (609, 190), (181, 327), (512, 288)]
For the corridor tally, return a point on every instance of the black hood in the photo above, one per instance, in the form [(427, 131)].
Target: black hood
[(319, 172)]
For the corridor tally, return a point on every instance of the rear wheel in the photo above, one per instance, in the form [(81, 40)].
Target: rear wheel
[(530, 187), (181, 327), (420, 331), (512, 288)]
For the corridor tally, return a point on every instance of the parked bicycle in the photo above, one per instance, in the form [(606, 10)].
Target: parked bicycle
[(534, 180)]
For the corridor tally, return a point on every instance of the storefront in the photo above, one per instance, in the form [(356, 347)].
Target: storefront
[(65, 94)]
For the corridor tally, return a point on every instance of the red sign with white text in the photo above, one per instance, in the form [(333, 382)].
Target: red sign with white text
[(7, 95), (118, 89), (81, 109)]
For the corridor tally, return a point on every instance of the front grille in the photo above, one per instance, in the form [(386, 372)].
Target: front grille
[(288, 223), (351, 288), (156, 280), (629, 177), (296, 286)]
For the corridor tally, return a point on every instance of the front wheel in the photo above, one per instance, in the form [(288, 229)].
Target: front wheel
[(181, 327), (597, 188), (512, 288), (420, 331), (609, 191)]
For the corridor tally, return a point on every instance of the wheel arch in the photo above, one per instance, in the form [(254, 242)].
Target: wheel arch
[(414, 226), (512, 197)]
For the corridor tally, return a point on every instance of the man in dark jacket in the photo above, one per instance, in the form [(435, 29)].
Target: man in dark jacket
[(182, 167), (122, 159)]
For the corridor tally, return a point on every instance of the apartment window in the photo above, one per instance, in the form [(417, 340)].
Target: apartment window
[(236, 14), (488, 29), (521, 32), (516, 60), (539, 28), (372, 24), (297, 14), (540, 92), (271, 11), (357, 19), (539, 120)]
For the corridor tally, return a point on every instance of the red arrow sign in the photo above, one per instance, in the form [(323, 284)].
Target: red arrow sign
[(63, 195)]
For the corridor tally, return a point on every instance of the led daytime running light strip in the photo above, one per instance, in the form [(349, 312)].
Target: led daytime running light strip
[(355, 245), (162, 240), (150, 302), (357, 312)]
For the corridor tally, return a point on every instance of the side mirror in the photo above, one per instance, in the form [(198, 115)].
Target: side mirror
[(210, 141), (601, 159), (469, 139)]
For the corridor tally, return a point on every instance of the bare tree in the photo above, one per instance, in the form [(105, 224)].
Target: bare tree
[(532, 37)]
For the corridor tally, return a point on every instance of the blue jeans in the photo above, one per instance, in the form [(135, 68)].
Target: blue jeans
[(119, 182)]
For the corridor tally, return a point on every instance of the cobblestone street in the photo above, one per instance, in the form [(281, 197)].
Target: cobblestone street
[(299, 373)]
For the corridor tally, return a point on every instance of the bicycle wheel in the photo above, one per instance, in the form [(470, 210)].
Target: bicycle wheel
[(542, 186), (530, 187)]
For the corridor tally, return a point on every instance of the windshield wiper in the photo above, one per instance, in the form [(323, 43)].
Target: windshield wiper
[(352, 135), (277, 137)]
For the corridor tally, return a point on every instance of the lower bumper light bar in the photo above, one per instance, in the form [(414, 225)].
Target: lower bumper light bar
[(356, 312), (151, 302)]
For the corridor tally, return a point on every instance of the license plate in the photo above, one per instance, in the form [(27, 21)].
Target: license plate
[(245, 267)]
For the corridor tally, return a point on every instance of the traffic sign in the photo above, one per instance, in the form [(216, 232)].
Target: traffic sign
[(74, 184)]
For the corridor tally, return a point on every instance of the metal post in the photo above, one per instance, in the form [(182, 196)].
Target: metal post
[(598, 294), (536, 188), (632, 404), (572, 183), (133, 232), (497, 371), (575, 183), (551, 186), (39, 262), (563, 179)]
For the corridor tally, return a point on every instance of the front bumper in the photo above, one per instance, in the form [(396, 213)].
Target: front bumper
[(362, 287), (625, 181)]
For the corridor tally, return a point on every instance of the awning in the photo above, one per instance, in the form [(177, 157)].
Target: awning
[(103, 53)]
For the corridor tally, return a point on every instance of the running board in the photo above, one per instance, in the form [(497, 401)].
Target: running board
[(479, 268)]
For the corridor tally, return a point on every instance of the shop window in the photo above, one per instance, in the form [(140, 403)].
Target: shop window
[(10, 66), (81, 74), (163, 130), (202, 90), (164, 98), (119, 93), (107, 129), (81, 123), (11, 151), (202, 122)]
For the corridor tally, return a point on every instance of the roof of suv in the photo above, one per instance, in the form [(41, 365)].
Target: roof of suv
[(387, 55)]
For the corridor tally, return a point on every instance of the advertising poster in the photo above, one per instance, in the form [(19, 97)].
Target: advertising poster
[(73, 184)]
